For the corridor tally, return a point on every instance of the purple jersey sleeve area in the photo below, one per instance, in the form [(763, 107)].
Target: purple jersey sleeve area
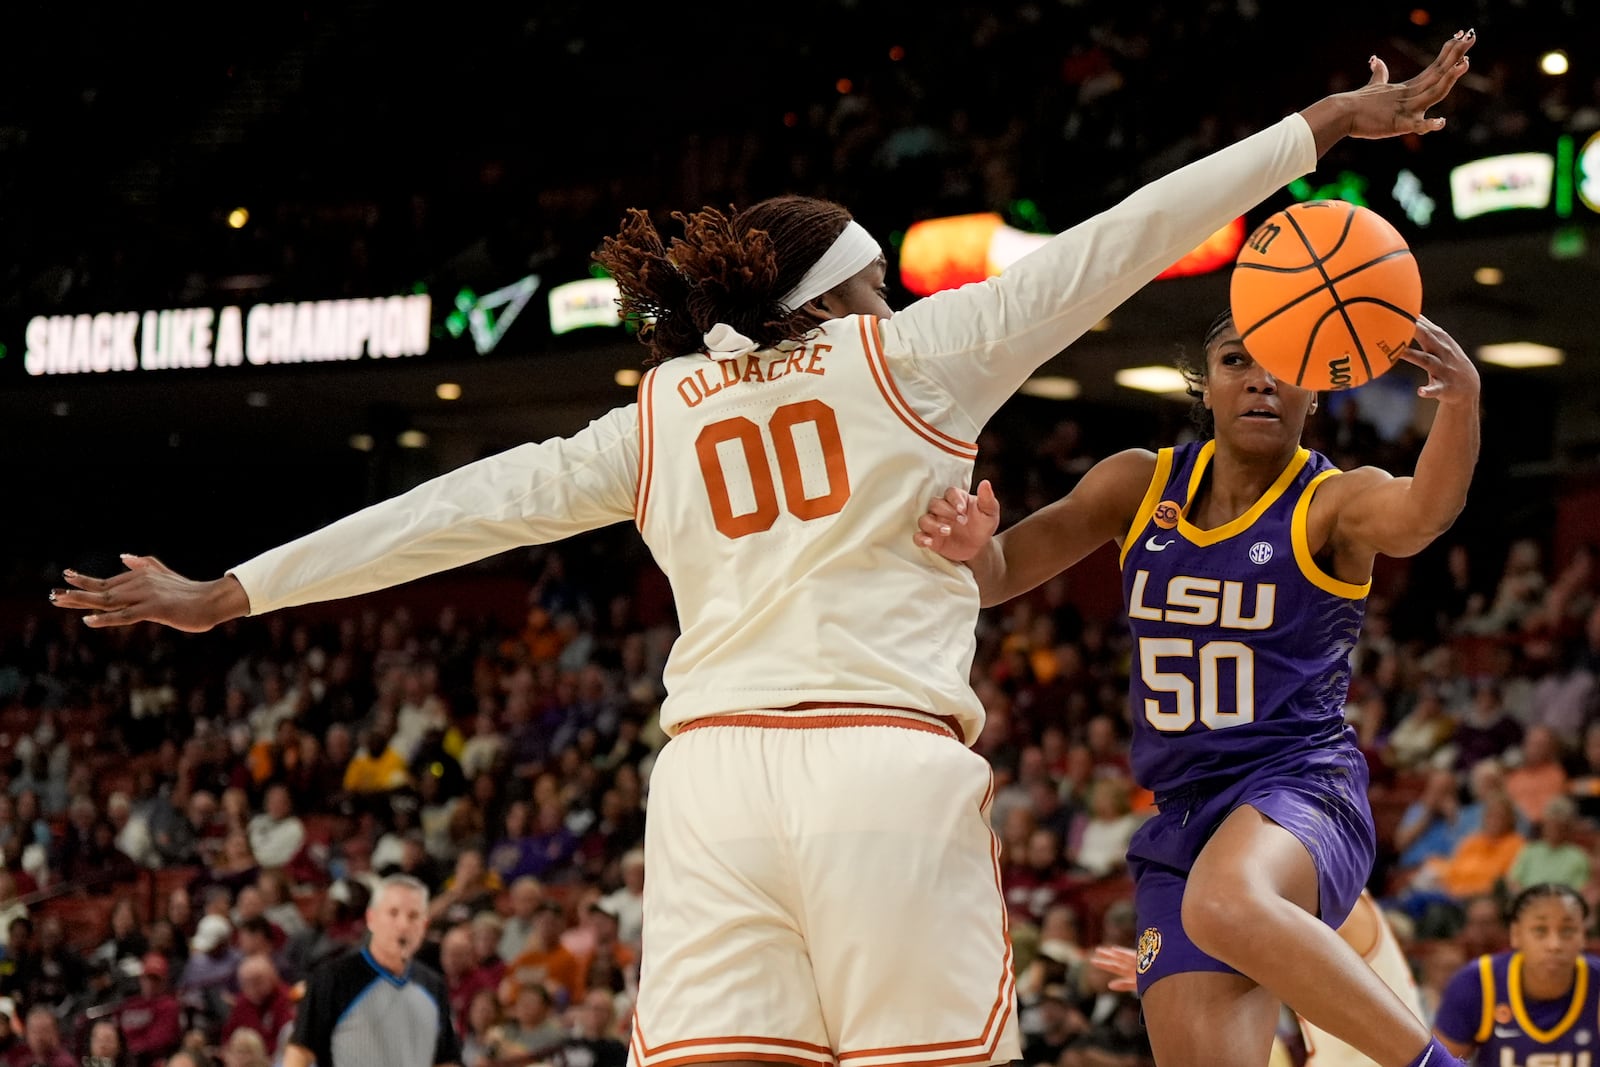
[(1461, 1005)]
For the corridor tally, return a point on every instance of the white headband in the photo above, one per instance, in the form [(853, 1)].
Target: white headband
[(847, 256), (850, 252)]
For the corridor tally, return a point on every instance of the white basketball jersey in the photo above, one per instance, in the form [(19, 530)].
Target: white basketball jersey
[(780, 492)]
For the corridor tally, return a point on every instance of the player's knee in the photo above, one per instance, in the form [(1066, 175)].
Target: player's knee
[(1214, 916)]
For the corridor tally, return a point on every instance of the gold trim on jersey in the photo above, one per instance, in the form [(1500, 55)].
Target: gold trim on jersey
[(1486, 980), (1301, 539), (1147, 506), (1580, 994), (1245, 521)]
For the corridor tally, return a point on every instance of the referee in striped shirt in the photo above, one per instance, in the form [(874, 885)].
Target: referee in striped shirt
[(377, 1007)]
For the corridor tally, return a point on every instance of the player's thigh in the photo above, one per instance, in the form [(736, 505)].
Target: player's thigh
[(725, 971), (1209, 1019), (905, 916)]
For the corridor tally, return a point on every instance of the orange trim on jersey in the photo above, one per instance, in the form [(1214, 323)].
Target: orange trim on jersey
[(1147, 506), (1580, 993), (647, 451), (1486, 981), (1300, 537), (730, 1049), (980, 1049), (879, 367), (778, 720)]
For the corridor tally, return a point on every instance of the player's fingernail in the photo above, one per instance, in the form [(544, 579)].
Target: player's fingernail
[(70, 573), (944, 531), (53, 593), (962, 518), (1460, 34), (924, 540), (1472, 32)]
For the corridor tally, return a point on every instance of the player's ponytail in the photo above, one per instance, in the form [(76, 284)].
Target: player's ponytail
[(725, 268)]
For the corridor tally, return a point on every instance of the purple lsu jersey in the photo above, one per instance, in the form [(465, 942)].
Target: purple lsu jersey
[(1241, 644), (1483, 1005)]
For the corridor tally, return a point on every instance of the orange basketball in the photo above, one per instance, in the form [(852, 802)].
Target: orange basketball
[(1326, 294)]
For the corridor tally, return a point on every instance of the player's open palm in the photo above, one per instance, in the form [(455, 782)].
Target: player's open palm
[(1452, 378), (1380, 109), (958, 524), (150, 591)]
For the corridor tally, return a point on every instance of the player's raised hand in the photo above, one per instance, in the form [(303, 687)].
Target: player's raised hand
[(1120, 963), (1384, 109), (1452, 378), (150, 591), (958, 524)]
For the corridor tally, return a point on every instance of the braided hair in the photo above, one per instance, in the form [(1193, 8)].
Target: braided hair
[(1546, 891), (730, 268)]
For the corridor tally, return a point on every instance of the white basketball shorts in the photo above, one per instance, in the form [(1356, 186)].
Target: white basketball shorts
[(822, 887)]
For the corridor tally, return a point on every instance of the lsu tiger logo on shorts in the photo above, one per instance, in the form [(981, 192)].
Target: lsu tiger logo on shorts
[(1149, 948), (1166, 514)]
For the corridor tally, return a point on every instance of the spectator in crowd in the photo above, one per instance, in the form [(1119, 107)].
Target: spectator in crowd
[(178, 836), (627, 900), (246, 1048), (278, 905), (151, 1022), (1539, 776), (483, 1020), (211, 975), (1104, 834), (592, 1040), (544, 960), (1485, 730), (1420, 735), (125, 939), (106, 1048), (277, 834), (532, 1029), (1433, 824), (524, 896), (41, 1042), (263, 1004), (470, 889), (1553, 857), (463, 977)]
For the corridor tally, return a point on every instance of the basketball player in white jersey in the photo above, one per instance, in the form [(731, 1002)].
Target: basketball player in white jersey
[(823, 885), (1366, 931)]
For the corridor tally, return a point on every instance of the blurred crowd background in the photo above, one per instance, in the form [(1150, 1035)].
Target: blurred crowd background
[(190, 823)]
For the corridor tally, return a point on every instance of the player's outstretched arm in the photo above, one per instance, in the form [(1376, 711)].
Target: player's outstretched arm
[(532, 494), (980, 342), (1378, 513)]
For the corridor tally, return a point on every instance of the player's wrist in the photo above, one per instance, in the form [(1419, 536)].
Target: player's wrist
[(225, 600)]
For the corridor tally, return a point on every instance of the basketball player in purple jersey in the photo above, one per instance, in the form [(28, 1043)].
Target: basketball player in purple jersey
[(1537, 1005), (1246, 562)]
